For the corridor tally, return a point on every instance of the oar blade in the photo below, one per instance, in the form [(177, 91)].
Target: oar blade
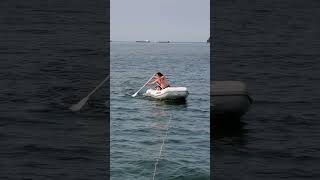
[(79, 105), (134, 95)]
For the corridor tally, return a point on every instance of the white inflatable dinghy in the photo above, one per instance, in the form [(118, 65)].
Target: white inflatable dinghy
[(169, 93)]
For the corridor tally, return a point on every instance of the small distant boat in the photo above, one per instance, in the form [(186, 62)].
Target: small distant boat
[(169, 93), (163, 41), (144, 41), (231, 100)]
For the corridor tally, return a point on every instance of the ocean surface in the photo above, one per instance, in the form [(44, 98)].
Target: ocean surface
[(138, 125), (273, 46), (52, 54)]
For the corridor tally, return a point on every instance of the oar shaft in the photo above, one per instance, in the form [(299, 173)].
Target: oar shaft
[(82, 102), (101, 83), (144, 85)]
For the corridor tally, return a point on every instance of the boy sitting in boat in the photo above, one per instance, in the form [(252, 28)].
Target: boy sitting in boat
[(160, 80)]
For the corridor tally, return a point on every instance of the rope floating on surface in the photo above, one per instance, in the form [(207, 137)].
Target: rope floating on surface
[(161, 148)]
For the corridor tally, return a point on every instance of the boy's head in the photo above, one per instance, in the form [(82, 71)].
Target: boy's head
[(159, 74)]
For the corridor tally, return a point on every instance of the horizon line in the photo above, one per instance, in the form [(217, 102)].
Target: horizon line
[(160, 41)]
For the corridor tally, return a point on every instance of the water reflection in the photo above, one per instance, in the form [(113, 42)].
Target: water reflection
[(234, 129), (179, 103)]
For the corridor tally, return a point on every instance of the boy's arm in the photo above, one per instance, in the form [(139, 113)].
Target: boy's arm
[(151, 82)]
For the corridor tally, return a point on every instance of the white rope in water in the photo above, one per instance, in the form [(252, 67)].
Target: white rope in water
[(161, 148)]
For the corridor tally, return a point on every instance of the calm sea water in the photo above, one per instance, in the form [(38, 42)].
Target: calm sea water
[(139, 124), (50, 58), (274, 47)]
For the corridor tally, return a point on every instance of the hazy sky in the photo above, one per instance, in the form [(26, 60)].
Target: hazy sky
[(174, 20)]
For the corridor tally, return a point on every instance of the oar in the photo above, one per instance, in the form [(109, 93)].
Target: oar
[(80, 104), (135, 94)]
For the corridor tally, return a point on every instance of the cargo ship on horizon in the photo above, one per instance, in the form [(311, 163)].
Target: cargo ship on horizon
[(143, 41)]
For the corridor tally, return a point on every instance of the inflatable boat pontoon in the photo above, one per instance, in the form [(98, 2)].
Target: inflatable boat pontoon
[(230, 99), (169, 93)]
